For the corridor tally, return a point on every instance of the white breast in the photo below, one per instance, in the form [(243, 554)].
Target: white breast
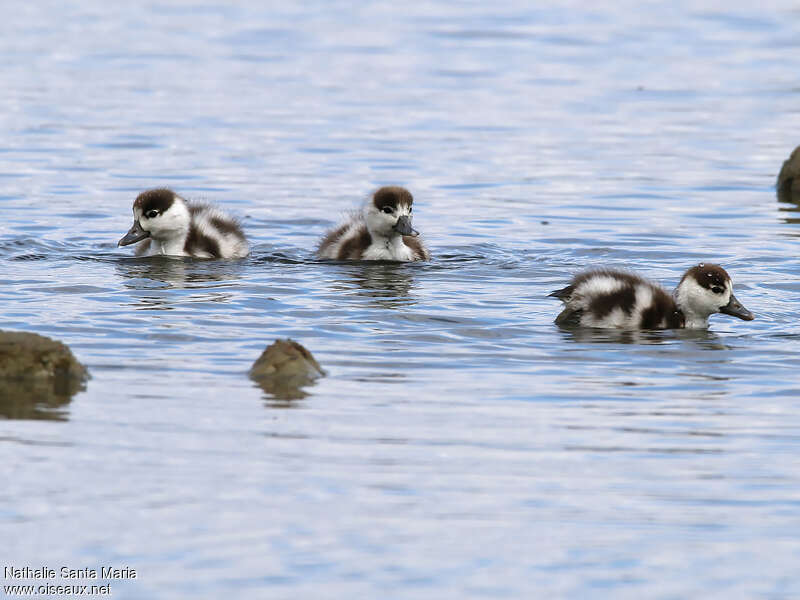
[(388, 249)]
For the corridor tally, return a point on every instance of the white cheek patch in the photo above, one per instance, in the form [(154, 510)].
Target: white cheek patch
[(726, 295), (168, 230), (176, 217), (695, 300), (379, 223)]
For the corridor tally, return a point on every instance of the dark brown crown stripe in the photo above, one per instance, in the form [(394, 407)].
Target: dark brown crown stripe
[(392, 196), (707, 275), (159, 199)]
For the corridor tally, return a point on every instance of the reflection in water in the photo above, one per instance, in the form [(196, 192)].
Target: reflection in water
[(159, 273), (789, 195), (597, 335), (283, 370), (794, 219), (704, 338), (283, 392), (38, 398), (177, 272), (683, 355), (386, 284), (38, 376), (160, 269)]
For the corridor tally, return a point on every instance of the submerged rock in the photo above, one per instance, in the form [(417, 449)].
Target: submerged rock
[(788, 184), (284, 368), (37, 376)]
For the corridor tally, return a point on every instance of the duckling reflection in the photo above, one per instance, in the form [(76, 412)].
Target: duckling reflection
[(597, 335), (144, 272), (788, 184), (386, 284), (703, 338), (177, 272), (157, 276)]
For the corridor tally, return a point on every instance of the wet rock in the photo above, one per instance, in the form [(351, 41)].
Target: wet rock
[(38, 376), (788, 184), (284, 368)]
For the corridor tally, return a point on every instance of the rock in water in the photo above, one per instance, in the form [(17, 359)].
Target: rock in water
[(37, 375), (788, 184), (285, 367)]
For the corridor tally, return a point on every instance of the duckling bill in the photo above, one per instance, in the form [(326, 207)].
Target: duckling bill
[(616, 299), (166, 224), (382, 231)]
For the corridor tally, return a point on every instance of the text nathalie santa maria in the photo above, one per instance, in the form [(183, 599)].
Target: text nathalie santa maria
[(68, 573)]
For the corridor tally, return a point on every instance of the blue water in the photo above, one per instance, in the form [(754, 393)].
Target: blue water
[(461, 445)]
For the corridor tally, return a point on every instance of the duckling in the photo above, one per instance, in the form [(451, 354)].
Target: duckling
[(616, 299), (167, 224), (788, 184), (382, 231)]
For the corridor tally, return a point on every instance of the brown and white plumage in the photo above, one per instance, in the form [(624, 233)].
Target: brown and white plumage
[(616, 299), (166, 224), (382, 231)]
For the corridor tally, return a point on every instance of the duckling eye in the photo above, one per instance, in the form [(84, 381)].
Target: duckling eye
[(388, 210), (151, 214), (716, 289)]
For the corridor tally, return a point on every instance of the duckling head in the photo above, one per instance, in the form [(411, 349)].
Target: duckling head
[(388, 213), (704, 290), (160, 214)]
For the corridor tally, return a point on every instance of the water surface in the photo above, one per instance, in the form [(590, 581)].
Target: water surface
[(461, 445)]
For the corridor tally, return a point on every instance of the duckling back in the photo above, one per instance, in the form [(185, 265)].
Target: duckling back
[(346, 242), (616, 299), (213, 234)]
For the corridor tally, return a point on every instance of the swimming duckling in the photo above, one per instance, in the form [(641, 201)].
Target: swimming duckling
[(609, 298), (788, 184), (381, 232), (167, 224)]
